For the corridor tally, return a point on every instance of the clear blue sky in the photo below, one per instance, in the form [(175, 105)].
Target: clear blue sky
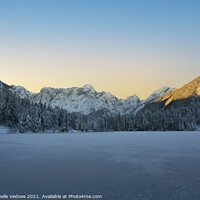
[(121, 46)]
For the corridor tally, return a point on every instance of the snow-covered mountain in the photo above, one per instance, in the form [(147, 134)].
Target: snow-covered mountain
[(87, 100), (101, 109), (154, 96), (190, 90)]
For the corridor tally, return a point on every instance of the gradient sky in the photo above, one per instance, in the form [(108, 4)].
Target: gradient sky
[(121, 46)]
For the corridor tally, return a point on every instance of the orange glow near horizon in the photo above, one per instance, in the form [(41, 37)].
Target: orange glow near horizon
[(121, 72), (122, 78), (127, 48)]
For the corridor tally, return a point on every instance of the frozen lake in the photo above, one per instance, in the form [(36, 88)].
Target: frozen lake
[(118, 166)]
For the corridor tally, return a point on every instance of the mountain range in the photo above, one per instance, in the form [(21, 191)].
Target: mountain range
[(83, 108), (87, 100)]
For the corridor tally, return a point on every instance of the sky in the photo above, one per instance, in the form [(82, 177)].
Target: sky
[(125, 47)]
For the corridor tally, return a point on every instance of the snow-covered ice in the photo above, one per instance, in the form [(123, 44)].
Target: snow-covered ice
[(119, 166), (4, 130)]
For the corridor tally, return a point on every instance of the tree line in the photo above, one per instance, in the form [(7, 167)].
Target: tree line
[(24, 115)]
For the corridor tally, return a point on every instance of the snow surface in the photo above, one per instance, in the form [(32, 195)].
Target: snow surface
[(4, 130), (119, 166)]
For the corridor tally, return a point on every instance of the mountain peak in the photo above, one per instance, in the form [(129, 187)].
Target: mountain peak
[(189, 90), (21, 91), (158, 93), (47, 90), (134, 98), (89, 87)]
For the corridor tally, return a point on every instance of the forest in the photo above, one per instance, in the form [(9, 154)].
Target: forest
[(22, 115)]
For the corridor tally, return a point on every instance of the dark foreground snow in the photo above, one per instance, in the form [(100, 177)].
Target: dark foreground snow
[(119, 166)]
